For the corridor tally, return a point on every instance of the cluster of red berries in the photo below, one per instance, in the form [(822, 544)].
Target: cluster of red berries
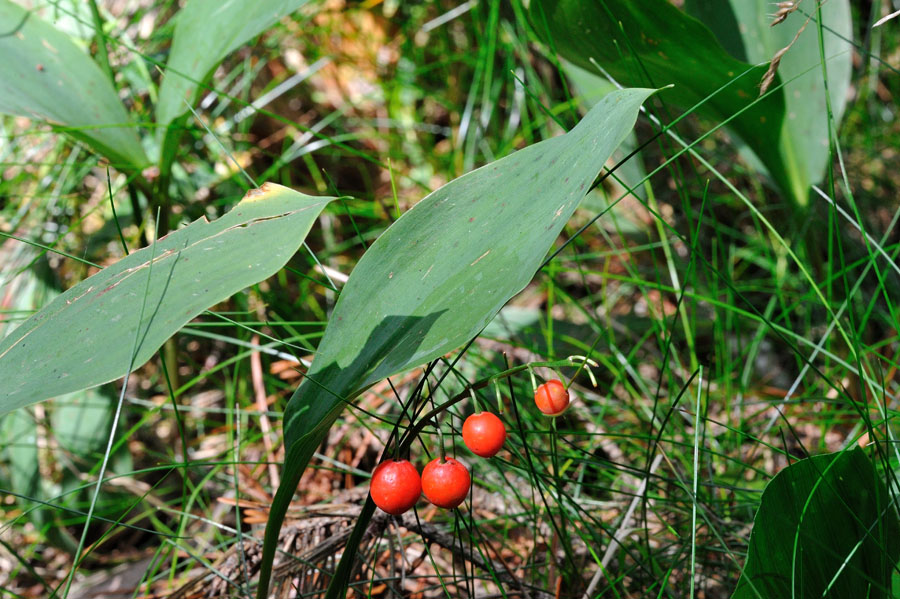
[(396, 484)]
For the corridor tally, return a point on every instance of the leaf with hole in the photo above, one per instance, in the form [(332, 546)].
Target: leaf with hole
[(45, 76), (116, 319), (826, 526), (442, 271)]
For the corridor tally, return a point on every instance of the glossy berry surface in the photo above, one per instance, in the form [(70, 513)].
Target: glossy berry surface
[(552, 398), (484, 434), (395, 486), (446, 483)]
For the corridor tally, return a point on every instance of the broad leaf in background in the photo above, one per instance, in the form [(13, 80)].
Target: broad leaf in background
[(19, 457), (79, 422), (441, 272), (803, 143), (45, 76), (205, 33), (89, 334), (825, 528), (588, 89), (650, 42)]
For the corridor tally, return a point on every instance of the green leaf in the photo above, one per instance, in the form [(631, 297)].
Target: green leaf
[(590, 88), (825, 528), (440, 273), (803, 142), (206, 32), (80, 421), (20, 453), (87, 335), (650, 42), (45, 76)]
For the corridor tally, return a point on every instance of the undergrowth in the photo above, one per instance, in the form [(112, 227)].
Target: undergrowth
[(719, 363)]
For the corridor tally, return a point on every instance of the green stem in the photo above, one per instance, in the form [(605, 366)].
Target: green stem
[(170, 359), (416, 429), (440, 433), (100, 37)]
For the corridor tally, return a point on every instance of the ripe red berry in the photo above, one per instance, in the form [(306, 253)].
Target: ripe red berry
[(483, 434), (445, 483), (395, 486), (552, 398)]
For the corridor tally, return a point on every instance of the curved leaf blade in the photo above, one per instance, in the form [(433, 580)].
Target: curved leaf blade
[(86, 336), (206, 32), (651, 42), (45, 76), (825, 523), (803, 140), (441, 272)]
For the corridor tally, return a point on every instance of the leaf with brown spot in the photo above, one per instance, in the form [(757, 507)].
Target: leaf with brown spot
[(119, 317), (45, 76)]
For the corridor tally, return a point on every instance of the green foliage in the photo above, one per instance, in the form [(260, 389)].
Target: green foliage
[(804, 140), (650, 42), (44, 75), (445, 268), (708, 271), (78, 422), (115, 320), (20, 453), (205, 33), (826, 527)]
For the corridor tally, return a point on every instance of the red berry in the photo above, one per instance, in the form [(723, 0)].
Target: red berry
[(552, 398), (395, 486), (445, 483), (483, 434)]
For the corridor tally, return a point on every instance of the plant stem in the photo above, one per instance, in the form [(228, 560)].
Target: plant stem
[(102, 51), (425, 420)]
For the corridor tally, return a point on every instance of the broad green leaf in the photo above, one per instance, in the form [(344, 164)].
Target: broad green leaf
[(446, 267), (442, 271), (26, 283), (803, 141), (45, 76), (650, 42), (89, 334), (20, 454), (825, 528), (81, 421), (206, 32), (589, 89)]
